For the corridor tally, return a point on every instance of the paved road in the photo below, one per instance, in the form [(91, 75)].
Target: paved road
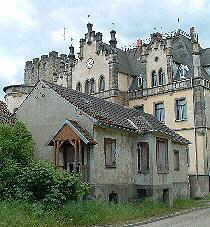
[(200, 218)]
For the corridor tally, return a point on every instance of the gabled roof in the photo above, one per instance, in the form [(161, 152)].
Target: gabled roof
[(115, 115), (77, 129)]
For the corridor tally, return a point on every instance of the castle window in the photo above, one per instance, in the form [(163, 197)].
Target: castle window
[(140, 82), (162, 154), (154, 79), (87, 87), (101, 83), (142, 157), (79, 87), (161, 77), (92, 86), (160, 112), (181, 109), (110, 152)]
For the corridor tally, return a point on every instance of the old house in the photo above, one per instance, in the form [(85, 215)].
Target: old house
[(123, 153), (166, 75)]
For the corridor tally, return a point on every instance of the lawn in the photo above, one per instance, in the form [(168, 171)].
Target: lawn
[(84, 213)]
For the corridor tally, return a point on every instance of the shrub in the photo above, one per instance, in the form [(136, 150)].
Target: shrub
[(27, 179), (15, 143), (40, 181)]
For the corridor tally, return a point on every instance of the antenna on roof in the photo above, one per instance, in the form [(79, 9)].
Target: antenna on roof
[(64, 33), (71, 41), (178, 20)]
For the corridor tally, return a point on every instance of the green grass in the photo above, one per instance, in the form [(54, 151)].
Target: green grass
[(84, 213)]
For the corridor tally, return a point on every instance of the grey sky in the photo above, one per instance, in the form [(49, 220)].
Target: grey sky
[(30, 28)]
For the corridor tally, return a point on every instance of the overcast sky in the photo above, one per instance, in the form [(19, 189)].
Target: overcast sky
[(30, 28)]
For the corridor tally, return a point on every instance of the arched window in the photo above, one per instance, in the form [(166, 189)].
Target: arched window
[(140, 82), (154, 79), (161, 77), (92, 86), (87, 86), (101, 83), (79, 87)]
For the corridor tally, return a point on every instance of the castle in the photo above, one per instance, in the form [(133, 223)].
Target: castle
[(167, 77)]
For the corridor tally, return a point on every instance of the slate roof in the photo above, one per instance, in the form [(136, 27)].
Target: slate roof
[(115, 115), (4, 113)]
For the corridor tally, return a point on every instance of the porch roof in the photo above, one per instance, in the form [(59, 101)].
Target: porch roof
[(82, 133)]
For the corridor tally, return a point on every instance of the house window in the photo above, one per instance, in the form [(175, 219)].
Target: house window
[(139, 108), (87, 87), (142, 157), (154, 79), (162, 154), (101, 83), (161, 77), (79, 87), (160, 112), (181, 109), (92, 85), (110, 152), (176, 160)]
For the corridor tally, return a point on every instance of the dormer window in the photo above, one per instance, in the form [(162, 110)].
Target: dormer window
[(154, 79)]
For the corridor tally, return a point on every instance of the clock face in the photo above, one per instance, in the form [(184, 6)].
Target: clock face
[(89, 63)]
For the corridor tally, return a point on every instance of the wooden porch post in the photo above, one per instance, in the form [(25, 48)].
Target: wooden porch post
[(55, 148)]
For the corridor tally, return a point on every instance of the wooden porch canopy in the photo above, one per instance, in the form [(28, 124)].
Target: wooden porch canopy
[(71, 130)]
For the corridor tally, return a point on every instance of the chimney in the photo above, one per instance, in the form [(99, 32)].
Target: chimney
[(89, 27), (113, 41), (99, 36), (71, 55), (193, 35)]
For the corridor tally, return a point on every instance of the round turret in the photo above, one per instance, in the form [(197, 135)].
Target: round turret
[(15, 95)]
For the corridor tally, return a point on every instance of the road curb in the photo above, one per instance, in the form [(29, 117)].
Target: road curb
[(178, 213)]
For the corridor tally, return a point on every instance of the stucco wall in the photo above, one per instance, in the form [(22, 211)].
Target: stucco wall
[(156, 50), (43, 112), (100, 67)]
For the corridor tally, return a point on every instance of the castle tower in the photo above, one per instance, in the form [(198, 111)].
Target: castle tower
[(15, 95)]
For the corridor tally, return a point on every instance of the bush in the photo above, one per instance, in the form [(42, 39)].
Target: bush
[(26, 179), (15, 143), (40, 181)]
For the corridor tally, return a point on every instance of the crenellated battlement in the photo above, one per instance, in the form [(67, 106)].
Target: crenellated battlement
[(47, 67)]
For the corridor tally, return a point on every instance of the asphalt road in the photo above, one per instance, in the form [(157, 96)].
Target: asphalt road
[(199, 218)]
